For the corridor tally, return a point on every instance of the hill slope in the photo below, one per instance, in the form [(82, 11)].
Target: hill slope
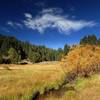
[(82, 67), (82, 60)]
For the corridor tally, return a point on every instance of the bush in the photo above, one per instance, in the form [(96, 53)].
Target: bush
[(82, 61)]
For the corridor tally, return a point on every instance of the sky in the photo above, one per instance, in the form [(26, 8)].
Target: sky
[(52, 23)]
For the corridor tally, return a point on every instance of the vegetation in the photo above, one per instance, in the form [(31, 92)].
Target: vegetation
[(79, 66), (69, 78), (90, 39), (82, 61), (85, 89), (13, 55), (23, 82), (11, 48), (0, 58)]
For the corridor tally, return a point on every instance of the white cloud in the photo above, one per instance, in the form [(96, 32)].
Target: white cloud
[(14, 24), (28, 15), (50, 19), (10, 23), (52, 11)]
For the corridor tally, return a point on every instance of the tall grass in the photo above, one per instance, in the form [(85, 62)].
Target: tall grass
[(24, 82)]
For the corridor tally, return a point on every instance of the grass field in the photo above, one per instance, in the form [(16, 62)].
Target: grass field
[(83, 89), (22, 82), (76, 77)]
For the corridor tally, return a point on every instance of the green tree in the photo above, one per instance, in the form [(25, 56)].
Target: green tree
[(15, 50), (90, 39), (13, 56), (4, 47), (34, 56), (66, 49), (59, 53)]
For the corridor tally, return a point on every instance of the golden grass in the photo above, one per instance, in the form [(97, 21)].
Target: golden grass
[(85, 89), (82, 60), (23, 81)]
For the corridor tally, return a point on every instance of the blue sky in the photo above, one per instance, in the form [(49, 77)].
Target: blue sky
[(52, 23)]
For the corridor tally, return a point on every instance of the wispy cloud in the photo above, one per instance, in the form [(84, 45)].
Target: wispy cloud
[(50, 18), (15, 24), (10, 23), (27, 15), (52, 11)]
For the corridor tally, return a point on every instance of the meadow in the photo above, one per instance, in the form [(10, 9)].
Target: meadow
[(75, 77), (23, 82), (83, 89)]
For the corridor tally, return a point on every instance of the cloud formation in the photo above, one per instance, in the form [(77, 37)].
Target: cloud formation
[(15, 24), (51, 18), (27, 15), (52, 11)]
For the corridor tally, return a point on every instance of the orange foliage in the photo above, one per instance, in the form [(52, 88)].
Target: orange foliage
[(82, 60)]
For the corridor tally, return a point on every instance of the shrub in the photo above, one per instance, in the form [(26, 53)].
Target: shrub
[(82, 61)]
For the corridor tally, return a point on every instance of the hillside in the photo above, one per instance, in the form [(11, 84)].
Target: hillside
[(82, 79), (82, 60)]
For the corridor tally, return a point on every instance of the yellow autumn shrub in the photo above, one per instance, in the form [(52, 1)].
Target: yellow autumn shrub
[(82, 60)]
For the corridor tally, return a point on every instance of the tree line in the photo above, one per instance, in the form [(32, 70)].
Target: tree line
[(14, 51), (90, 39)]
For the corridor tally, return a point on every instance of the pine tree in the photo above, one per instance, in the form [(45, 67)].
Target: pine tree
[(66, 49), (13, 56)]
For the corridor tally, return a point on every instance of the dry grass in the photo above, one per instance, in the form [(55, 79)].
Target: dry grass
[(86, 89), (23, 81), (82, 60)]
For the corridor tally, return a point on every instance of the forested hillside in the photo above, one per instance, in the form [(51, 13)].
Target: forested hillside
[(13, 51), (90, 39)]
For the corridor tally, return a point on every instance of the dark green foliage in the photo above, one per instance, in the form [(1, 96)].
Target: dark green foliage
[(13, 51), (90, 39), (66, 49), (13, 56), (34, 56), (1, 59), (60, 53)]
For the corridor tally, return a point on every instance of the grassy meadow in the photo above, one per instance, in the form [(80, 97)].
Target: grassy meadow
[(84, 89), (75, 77), (22, 82)]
